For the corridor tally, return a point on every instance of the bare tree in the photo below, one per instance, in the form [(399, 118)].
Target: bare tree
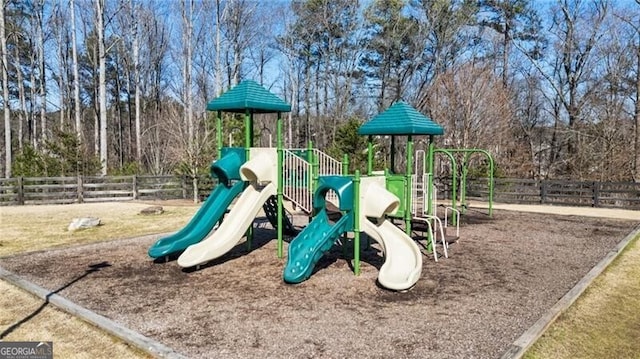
[(76, 75), (220, 15), (633, 20), (576, 30), (102, 82), (472, 106), (5, 94), (237, 20)]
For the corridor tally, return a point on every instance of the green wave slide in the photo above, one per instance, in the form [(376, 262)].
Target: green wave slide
[(201, 224), (312, 243), (226, 169)]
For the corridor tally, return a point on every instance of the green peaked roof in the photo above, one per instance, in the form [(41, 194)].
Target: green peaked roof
[(248, 95), (400, 119)]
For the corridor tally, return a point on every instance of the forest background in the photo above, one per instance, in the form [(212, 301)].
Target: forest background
[(550, 88)]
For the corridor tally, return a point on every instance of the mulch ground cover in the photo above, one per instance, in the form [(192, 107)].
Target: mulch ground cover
[(505, 272)]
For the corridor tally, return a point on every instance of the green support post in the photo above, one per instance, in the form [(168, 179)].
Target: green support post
[(409, 189), (430, 188), (356, 223), (454, 180), (310, 160), (279, 146), (315, 170), (219, 133), (463, 181), (370, 156), (392, 152), (463, 187), (345, 164), (248, 135), (430, 180), (310, 178), (248, 139)]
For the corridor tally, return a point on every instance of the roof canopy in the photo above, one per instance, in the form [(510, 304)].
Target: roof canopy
[(400, 119), (248, 96)]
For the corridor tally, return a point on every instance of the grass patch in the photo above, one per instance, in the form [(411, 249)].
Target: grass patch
[(26, 318), (31, 228), (605, 321)]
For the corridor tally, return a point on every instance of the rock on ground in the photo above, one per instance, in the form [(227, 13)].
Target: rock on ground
[(153, 210), (83, 223)]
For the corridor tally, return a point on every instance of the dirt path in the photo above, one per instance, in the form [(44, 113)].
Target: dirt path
[(499, 280), (565, 210)]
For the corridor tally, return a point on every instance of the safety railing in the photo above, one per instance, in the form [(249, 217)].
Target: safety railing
[(298, 175), (301, 169), (419, 195)]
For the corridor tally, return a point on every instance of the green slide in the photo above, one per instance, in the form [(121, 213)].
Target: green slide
[(212, 210), (201, 224), (312, 243)]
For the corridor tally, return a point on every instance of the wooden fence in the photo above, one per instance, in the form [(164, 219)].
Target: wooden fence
[(559, 192), (60, 190)]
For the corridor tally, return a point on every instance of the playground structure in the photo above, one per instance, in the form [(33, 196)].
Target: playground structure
[(265, 177)]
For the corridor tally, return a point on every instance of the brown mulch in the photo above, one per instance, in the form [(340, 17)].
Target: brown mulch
[(502, 276)]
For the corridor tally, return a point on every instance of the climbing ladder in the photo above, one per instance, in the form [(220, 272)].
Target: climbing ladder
[(437, 228)]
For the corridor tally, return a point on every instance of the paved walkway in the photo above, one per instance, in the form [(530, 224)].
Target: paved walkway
[(564, 210)]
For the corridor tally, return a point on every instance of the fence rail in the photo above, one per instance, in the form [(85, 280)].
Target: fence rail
[(557, 192), (61, 190)]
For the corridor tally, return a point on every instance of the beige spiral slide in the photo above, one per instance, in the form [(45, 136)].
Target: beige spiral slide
[(403, 260)]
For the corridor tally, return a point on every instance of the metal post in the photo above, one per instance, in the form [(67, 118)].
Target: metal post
[(393, 154), (430, 178), (310, 184), (463, 187), (219, 133), (409, 189), (315, 170), (280, 182), (356, 223), (345, 164), (248, 139), (369, 155)]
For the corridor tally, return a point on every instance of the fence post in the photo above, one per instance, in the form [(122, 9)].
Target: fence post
[(183, 179), (80, 189), (135, 187), (543, 191), (20, 190), (596, 194)]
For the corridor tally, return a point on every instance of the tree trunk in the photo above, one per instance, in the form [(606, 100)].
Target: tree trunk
[(76, 75), (637, 116), (218, 63), (505, 55), (33, 123), (186, 68), (22, 114), (41, 64), (5, 95), (102, 94), (136, 76), (62, 78)]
